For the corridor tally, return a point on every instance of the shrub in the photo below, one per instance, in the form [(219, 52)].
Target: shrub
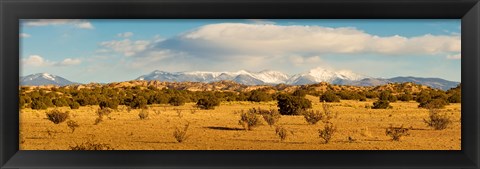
[(60, 102), (176, 101), (329, 96), (112, 103), (38, 105), (396, 132), (405, 97), (56, 116), (103, 112), (91, 146), (249, 119), (437, 120), (300, 93), (138, 102), (72, 125), (180, 134), (434, 104), (74, 105), (281, 132), (381, 104), (143, 114), (327, 132), (312, 117), (292, 105), (208, 103), (259, 96), (455, 98), (270, 116), (387, 95)]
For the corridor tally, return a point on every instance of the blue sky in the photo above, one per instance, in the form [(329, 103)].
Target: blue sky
[(119, 50)]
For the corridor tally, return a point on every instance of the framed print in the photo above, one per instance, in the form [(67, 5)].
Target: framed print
[(247, 84)]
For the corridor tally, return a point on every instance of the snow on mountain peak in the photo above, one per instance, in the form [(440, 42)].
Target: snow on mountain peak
[(48, 76)]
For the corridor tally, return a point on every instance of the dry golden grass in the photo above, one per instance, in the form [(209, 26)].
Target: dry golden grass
[(358, 128)]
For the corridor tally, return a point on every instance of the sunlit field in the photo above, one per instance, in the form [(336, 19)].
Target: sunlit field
[(357, 128)]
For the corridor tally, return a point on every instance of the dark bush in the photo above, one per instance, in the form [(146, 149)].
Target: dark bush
[(292, 105), (138, 102), (396, 132), (176, 101), (38, 105), (437, 120), (56, 116), (111, 103), (329, 96), (327, 132), (300, 93), (381, 104), (259, 96), (455, 98), (405, 97), (249, 120), (74, 105), (433, 104), (208, 103), (60, 102)]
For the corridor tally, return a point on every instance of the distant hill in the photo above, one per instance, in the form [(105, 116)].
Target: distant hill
[(41, 79)]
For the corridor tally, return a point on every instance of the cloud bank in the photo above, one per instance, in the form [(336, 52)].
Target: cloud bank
[(39, 61)]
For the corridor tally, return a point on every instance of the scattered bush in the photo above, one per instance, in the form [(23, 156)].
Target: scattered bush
[(327, 132), (112, 103), (312, 117), (405, 97), (281, 132), (329, 96), (381, 104), (292, 105), (74, 105), (72, 125), (143, 114), (249, 119), (38, 105), (180, 134), (437, 120), (259, 96), (455, 98), (91, 146), (300, 93), (270, 116), (138, 103), (396, 132), (56, 116), (433, 104), (208, 103), (176, 101)]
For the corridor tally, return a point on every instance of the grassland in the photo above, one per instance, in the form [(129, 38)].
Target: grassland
[(358, 128)]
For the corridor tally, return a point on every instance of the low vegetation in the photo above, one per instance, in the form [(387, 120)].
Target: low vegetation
[(56, 116), (180, 134), (396, 132), (249, 119), (437, 120)]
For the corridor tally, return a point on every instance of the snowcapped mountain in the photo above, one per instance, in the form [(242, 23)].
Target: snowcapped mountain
[(242, 76), (44, 79), (256, 78), (324, 75)]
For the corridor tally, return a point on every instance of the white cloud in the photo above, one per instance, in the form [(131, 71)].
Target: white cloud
[(38, 61), (127, 47), (35, 60), (25, 35), (455, 56), (68, 62), (78, 23), (125, 35), (277, 39)]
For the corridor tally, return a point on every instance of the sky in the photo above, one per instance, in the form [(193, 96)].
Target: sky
[(116, 50)]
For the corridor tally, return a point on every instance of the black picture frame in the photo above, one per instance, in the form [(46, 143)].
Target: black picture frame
[(13, 10)]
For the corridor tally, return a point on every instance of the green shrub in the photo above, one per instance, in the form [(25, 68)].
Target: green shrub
[(57, 116), (208, 103), (300, 93), (60, 102), (292, 105), (437, 120), (405, 97), (455, 98), (138, 102), (381, 104), (329, 96), (38, 105), (433, 104), (74, 105), (259, 96), (111, 103), (176, 101)]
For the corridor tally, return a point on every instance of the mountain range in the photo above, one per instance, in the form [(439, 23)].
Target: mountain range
[(266, 77)]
